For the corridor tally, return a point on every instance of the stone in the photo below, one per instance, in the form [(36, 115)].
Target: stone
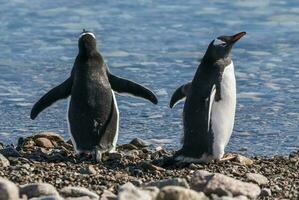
[(51, 136), (78, 198), (148, 166), (169, 182), (180, 193), (139, 143), (43, 142), (221, 184), (129, 191), (8, 190), (151, 191), (10, 152), (107, 195), (88, 170), (51, 197), (257, 178), (241, 197), (78, 192), (3, 161), (265, 192), (127, 147), (37, 190), (243, 160)]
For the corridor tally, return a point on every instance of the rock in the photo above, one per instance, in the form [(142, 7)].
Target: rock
[(53, 137), (148, 166), (127, 147), (43, 142), (52, 197), (221, 184), (78, 192), (107, 195), (169, 182), (139, 143), (265, 192), (10, 152), (3, 161), (151, 191), (78, 198), (114, 156), (8, 190), (243, 160), (180, 193), (38, 190), (129, 191), (257, 178), (88, 170), (241, 197)]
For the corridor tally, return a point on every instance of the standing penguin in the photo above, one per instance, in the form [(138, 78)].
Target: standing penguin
[(209, 110), (93, 114)]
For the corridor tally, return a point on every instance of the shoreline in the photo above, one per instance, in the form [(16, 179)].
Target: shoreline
[(135, 168)]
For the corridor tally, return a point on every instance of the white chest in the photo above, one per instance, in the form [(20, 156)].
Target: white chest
[(222, 113)]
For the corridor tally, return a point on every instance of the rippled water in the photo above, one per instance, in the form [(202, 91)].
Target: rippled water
[(156, 43)]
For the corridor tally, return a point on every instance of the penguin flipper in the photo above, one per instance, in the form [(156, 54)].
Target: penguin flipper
[(121, 85), (179, 94), (59, 92)]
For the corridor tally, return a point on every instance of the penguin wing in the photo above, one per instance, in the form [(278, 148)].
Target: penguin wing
[(59, 92), (121, 85), (179, 94)]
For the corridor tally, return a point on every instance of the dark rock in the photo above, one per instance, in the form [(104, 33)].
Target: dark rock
[(148, 166), (10, 152), (265, 192), (139, 143)]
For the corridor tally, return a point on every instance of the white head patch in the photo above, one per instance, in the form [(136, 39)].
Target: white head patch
[(218, 42), (88, 33)]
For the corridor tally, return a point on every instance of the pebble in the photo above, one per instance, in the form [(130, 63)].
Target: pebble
[(180, 193), (257, 178), (8, 190), (266, 192), (37, 190)]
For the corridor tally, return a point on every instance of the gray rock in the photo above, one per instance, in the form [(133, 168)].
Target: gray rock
[(169, 182), (78, 192), (180, 193), (139, 143), (8, 190), (265, 192), (129, 191), (78, 198), (257, 178), (241, 197), (38, 190), (151, 191), (107, 195), (220, 184), (52, 197), (10, 152), (3, 161)]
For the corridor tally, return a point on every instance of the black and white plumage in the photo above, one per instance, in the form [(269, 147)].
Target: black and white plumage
[(93, 114), (209, 110)]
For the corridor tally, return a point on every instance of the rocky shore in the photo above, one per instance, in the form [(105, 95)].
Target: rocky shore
[(44, 166)]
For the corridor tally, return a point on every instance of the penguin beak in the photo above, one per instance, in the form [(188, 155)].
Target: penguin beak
[(237, 37), (230, 40)]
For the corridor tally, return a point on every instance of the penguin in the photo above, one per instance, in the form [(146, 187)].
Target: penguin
[(93, 114), (209, 109)]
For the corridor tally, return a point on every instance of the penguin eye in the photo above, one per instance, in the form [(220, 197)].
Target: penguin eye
[(219, 42)]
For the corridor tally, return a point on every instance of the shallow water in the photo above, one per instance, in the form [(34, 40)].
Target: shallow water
[(156, 43)]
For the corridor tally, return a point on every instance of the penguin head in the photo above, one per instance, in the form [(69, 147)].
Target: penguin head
[(221, 47), (87, 42)]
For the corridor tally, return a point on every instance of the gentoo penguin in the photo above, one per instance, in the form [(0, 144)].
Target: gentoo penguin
[(209, 110), (93, 114)]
